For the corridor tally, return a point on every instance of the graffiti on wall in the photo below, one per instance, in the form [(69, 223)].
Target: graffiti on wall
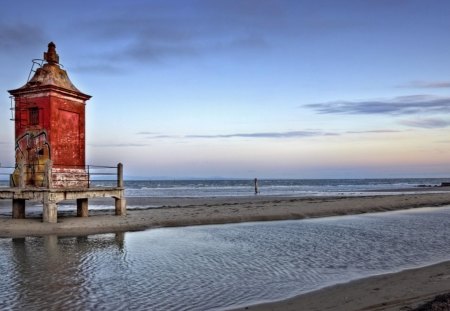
[(32, 152)]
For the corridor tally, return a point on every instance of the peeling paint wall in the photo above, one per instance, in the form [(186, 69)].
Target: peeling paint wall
[(32, 150), (56, 133), (67, 123)]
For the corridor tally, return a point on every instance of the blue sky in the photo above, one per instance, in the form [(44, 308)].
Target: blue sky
[(269, 89)]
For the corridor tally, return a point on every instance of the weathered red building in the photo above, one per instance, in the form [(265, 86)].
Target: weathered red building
[(50, 144), (50, 128)]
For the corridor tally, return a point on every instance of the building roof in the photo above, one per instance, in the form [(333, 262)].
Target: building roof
[(50, 75)]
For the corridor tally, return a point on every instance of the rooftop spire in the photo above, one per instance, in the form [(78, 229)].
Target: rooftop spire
[(49, 75), (51, 56)]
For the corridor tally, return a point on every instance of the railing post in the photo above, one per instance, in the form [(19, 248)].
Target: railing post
[(88, 177), (121, 205), (120, 175)]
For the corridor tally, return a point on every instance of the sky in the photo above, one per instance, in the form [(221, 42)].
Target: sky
[(248, 88)]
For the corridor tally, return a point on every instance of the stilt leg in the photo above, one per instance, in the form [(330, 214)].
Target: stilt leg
[(18, 209), (50, 213), (121, 207), (82, 208)]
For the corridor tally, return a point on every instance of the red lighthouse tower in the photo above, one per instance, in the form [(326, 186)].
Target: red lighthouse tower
[(49, 129), (49, 115)]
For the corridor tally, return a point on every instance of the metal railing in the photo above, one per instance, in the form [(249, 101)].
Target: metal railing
[(5, 176), (51, 175)]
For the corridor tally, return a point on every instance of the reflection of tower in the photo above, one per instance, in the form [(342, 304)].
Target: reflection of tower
[(50, 128), (56, 272)]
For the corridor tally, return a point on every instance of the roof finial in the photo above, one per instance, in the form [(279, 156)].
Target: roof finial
[(51, 56)]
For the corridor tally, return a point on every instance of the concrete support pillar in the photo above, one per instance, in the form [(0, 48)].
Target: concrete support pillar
[(48, 174), (18, 208), (121, 206), (50, 213), (82, 208)]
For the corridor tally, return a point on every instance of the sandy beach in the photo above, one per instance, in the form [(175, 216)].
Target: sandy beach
[(404, 290), (398, 291), (172, 212)]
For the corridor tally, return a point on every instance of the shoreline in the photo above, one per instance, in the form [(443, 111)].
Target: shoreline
[(174, 212), (403, 290)]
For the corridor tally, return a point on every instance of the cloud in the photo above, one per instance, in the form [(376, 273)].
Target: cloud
[(165, 136), (429, 123), (270, 135), (428, 85), (262, 135), (20, 36), (156, 135), (118, 145), (152, 31), (146, 133), (290, 134), (373, 132), (403, 105)]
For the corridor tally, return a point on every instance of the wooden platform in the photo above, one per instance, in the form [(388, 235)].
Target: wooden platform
[(51, 197)]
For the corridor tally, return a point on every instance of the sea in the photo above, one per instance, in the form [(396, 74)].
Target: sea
[(266, 187), (269, 187)]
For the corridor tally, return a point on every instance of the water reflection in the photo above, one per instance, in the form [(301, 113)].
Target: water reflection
[(54, 272), (214, 267)]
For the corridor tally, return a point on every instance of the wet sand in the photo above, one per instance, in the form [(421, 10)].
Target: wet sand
[(400, 291)]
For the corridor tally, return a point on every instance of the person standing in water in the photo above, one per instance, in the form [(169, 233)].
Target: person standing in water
[(256, 186)]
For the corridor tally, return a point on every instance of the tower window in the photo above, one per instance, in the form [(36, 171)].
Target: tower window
[(34, 116)]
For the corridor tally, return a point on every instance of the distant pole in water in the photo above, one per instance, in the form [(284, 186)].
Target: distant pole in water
[(256, 186)]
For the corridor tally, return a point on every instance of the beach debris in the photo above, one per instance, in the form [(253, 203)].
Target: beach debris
[(439, 303)]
